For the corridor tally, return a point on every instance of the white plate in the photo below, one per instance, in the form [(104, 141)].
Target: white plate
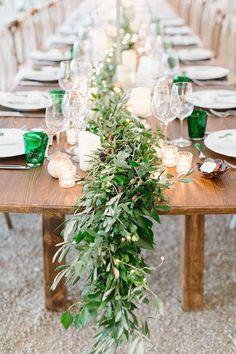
[(44, 74), (24, 100), (173, 22), (215, 99), (223, 142), (180, 41), (60, 39), (195, 54), (11, 142), (172, 31), (205, 72), (51, 55)]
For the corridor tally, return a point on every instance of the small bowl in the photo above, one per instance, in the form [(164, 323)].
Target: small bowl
[(222, 167)]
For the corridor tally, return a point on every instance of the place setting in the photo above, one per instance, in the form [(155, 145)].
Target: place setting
[(54, 55)]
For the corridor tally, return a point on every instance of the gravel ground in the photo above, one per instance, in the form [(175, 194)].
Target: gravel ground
[(26, 327)]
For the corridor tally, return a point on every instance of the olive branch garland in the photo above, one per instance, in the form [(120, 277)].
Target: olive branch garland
[(113, 222)]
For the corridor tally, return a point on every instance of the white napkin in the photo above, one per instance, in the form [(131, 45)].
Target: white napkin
[(51, 55), (11, 136)]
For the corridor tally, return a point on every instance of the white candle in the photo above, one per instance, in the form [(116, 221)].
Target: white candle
[(118, 36), (169, 155), (184, 161), (140, 101), (71, 136), (88, 144), (123, 76), (129, 58)]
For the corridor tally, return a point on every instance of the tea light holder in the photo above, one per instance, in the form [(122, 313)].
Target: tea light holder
[(169, 155), (67, 178), (184, 162)]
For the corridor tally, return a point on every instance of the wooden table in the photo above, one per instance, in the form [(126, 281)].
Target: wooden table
[(34, 191)]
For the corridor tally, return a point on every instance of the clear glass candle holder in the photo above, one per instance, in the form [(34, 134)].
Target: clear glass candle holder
[(67, 178), (169, 155), (184, 162)]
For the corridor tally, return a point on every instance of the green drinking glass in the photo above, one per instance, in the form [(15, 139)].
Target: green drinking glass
[(57, 96), (35, 147), (181, 78), (197, 124)]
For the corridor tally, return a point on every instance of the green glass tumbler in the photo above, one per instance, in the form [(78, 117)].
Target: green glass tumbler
[(181, 78), (57, 96), (35, 148), (197, 124)]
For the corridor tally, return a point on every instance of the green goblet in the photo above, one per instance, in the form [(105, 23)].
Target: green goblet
[(35, 147)]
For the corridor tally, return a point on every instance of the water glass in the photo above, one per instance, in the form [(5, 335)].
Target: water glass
[(35, 147), (197, 124)]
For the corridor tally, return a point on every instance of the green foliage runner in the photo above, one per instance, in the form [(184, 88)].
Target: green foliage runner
[(113, 223)]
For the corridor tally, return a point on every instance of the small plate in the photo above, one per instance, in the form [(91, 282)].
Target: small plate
[(173, 22), (205, 72), (179, 41), (63, 40), (172, 31), (214, 99), (44, 74), (11, 142), (54, 55), (24, 100), (223, 142), (222, 167), (195, 54)]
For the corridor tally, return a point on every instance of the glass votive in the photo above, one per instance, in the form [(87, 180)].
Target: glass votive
[(67, 178), (197, 124), (35, 147), (169, 155), (184, 161)]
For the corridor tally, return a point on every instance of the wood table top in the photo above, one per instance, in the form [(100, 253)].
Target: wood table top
[(35, 191)]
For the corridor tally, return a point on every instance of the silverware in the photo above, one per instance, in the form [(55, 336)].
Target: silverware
[(10, 114), (14, 167), (223, 114), (210, 82), (231, 165), (30, 83), (202, 156)]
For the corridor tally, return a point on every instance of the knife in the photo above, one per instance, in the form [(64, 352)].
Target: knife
[(14, 167)]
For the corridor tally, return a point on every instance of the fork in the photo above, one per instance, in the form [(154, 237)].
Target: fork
[(222, 114), (210, 82)]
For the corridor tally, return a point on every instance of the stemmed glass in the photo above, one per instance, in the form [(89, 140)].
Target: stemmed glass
[(182, 107), (66, 76), (161, 106), (76, 109), (56, 121), (72, 76)]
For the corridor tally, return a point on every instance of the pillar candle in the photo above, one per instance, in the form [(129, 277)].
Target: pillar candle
[(88, 144), (140, 101)]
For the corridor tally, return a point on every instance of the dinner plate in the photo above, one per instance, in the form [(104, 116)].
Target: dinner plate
[(215, 99), (24, 100), (223, 142), (172, 31), (205, 72), (44, 74), (180, 40), (173, 22), (195, 54), (51, 55), (11, 142), (60, 39)]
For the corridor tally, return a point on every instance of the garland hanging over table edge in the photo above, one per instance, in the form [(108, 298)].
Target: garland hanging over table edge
[(113, 221)]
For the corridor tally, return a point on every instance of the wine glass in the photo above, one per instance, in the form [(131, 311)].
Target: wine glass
[(182, 107), (76, 108), (161, 106), (66, 76), (56, 121)]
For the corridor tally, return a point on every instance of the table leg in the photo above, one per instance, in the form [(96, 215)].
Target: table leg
[(192, 263), (52, 226)]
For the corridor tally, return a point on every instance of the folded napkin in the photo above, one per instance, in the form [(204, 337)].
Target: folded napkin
[(31, 98), (52, 54), (11, 136)]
